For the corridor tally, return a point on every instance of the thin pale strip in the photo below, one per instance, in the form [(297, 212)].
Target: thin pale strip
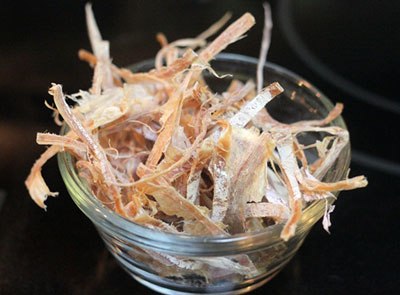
[(220, 174), (162, 39), (240, 94), (56, 114), (289, 228), (163, 258), (290, 169), (299, 152), (275, 190), (313, 196), (193, 185), (179, 139), (188, 43), (132, 208), (142, 206), (215, 27), (230, 265), (326, 221), (192, 43), (173, 203), (76, 146), (230, 35), (89, 170), (76, 126), (35, 183), (250, 109), (315, 185), (263, 118), (242, 140), (171, 156), (93, 30), (103, 78), (147, 220), (258, 180), (88, 57), (255, 191), (146, 177), (172, 55), (265, 44), (178, 261), (180, 183), (97, 79), (177, 66), (186, 156), (265, 209), (100, 110), (342, 139), (289, 164), (136, 78), (233, 98), (254, 155), (171, 116), (91, 59), (323, 146)]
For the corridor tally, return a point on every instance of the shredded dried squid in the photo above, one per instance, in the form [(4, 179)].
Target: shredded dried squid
[(163, 150)]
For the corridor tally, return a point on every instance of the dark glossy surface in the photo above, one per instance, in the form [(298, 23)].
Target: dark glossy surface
[(59, 251)]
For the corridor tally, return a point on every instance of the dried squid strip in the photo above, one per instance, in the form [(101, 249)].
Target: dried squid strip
[(250, 109), (233, 33), (177, 66), (171, 49), (289, 228), (193, 183), (265, 44), (165, 52), (242, 177), (166, 152), (232, 97), (35, 183), (173, 203), (314, 185), (171, 115), (290, 169), (103, 78), (146, 177), (218, 171), (75, 146), (77, 127), (266, 209), (340, 141), (214, 28)]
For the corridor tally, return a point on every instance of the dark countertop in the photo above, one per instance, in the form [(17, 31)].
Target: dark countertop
[(349, 49)]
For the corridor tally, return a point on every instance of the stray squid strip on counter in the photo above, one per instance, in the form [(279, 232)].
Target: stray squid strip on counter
[(163, 150)]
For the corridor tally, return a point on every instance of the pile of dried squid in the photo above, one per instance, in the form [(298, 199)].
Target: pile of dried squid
[(163, 150)]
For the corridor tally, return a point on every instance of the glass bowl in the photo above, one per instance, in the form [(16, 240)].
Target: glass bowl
[(181, 264)]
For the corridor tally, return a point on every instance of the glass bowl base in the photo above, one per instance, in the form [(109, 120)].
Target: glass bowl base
[(166, 291)]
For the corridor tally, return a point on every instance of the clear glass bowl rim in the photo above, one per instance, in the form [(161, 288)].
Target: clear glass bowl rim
[(122, 228)]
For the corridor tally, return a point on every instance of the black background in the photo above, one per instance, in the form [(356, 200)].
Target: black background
[(348, 49)]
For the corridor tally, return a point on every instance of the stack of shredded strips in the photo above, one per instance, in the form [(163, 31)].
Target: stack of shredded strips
[(163, 150)]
